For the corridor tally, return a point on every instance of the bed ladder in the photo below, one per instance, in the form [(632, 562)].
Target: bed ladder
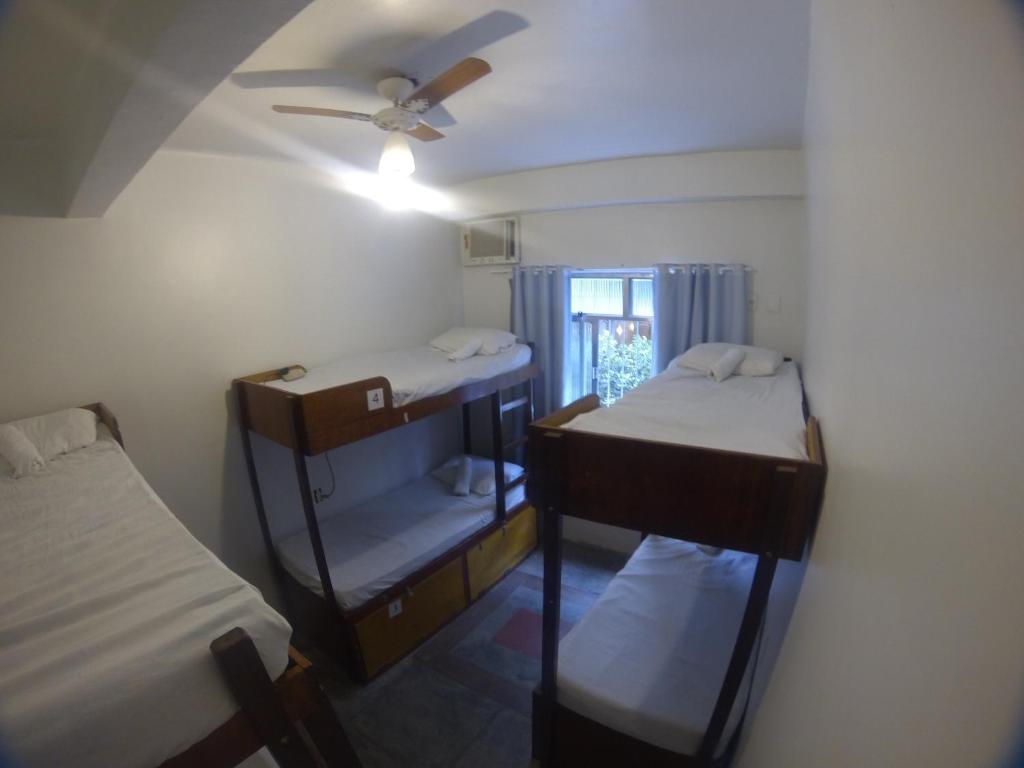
[(499, 407)]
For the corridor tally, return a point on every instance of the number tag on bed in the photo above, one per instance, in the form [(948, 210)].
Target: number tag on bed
[(394, 608), (374, 399)]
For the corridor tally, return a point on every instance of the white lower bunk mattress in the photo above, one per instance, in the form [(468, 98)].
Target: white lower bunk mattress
[(752, 414), (649, 658), (108, 606), (374, 545), (414, 374)]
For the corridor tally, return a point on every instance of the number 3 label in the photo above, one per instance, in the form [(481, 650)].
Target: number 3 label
[(374, 399)]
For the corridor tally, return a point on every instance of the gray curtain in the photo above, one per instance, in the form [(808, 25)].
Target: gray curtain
[(694, 303), (540, 314)]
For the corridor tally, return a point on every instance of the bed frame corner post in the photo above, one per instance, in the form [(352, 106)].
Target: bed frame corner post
[(250, 684), (553, 502)]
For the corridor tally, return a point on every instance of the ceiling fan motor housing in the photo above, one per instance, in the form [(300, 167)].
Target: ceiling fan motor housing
[(396, 119)]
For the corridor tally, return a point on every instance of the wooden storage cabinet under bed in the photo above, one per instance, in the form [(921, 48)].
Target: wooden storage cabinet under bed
[(501, 551)]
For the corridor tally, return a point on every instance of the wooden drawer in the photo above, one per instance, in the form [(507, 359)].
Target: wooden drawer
[(500, 552), (384, 639)]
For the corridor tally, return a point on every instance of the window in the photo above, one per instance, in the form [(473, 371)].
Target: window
[(611, 351)]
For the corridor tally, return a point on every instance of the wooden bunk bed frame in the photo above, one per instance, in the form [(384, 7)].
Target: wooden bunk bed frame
[(371, 637), (763, 505), (291, 716)]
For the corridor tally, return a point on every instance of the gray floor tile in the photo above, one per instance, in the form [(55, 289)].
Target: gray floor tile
[(421, 718), (505, 743)]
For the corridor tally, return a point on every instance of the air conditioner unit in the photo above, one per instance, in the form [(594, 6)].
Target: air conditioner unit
[(490, 241)]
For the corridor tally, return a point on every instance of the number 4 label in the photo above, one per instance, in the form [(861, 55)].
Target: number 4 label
[(374, 399)]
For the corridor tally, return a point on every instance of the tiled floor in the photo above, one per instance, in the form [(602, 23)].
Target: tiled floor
[(463, 698)]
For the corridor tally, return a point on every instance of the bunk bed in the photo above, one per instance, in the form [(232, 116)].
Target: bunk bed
[(124, 641), (401, 565), (653, 674)]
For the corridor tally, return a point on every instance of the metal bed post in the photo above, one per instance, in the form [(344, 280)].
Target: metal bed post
[(467, 432), (313, 526), (752, 622), (554, 499), (276, 568), (750, 626), (498, 445)]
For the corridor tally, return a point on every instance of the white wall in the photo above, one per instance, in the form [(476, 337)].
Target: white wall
[(906, 645), (208, 268)]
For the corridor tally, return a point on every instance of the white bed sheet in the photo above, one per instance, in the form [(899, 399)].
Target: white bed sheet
[(752, 414), (649, 658), (107, 610), (373, 546), (414, 373)]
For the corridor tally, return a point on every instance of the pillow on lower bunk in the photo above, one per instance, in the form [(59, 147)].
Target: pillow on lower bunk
[(492, 341), (19, 456), (481, 478), (757, 361), (59, 432)]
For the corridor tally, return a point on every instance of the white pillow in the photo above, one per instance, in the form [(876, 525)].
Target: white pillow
[(18, 452), (481, 481), (723, 367), (59, 432), (492, 341), (467, 350), (463, 476), (757, 361)]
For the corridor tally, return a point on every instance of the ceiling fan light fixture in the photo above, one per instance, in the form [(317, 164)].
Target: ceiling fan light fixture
[(396, 159)]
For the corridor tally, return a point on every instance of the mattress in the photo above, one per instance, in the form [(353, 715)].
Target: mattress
[(414, 374), (107, 610), (649, 658), (750, 414), (373, 546)]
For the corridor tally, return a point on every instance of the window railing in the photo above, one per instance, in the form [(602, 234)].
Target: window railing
[(610, 355)]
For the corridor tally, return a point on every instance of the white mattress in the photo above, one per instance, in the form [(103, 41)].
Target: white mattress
[(414, 373), (649, 658), (751, 414), (375, 545), (107, 610)]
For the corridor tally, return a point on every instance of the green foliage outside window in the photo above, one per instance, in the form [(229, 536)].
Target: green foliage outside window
[(622, 366)]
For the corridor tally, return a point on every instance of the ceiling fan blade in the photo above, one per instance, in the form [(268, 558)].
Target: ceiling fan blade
[(455, 79), (424, 132), (305, 78), (288, 110), (429, 58)]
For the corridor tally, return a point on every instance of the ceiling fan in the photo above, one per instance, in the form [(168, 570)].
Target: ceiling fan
[(409, 102)]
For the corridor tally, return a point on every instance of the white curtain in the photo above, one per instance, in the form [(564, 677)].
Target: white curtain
[(540, 314), (694, 303)]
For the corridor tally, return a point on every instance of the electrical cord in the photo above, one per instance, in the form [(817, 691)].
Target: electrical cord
[(319, 495)]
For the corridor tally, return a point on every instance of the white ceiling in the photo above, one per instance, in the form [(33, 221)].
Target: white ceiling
[(580, 80)]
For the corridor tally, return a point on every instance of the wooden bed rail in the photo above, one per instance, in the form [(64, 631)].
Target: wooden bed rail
[(328, 418), (760, 503), (107, 419)]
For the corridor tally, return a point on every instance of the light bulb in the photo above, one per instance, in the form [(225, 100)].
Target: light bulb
[(396, 159)]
